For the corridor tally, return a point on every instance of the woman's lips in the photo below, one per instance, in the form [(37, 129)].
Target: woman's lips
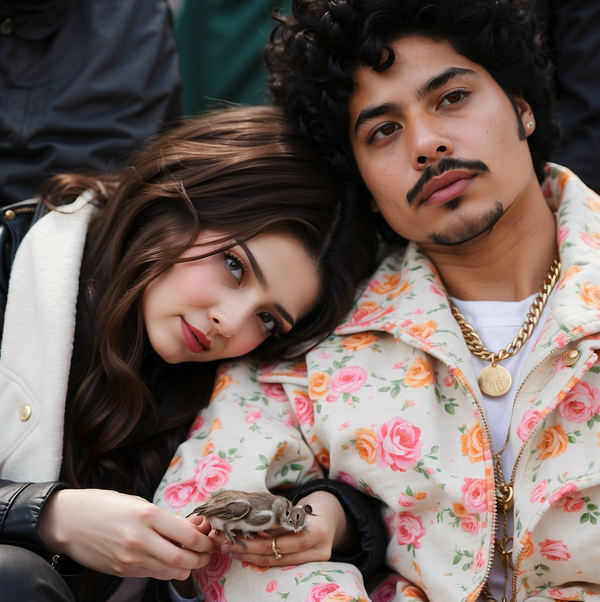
[(195, 339), (446, 187)]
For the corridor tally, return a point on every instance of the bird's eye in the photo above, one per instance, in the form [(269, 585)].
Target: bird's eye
[(287, 512)]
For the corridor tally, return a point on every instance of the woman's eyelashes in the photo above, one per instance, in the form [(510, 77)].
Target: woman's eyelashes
[(236, 267), (270, 322)]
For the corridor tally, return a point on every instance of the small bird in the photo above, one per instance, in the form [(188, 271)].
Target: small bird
[(252, 513)]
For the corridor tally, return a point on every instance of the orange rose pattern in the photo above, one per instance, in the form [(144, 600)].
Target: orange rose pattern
[(423, 330), (554, 442), (590, 293), (360, 340), (223, 382), (471, 444), (318, 385), (366, 444), (390, 283), (419, 374)]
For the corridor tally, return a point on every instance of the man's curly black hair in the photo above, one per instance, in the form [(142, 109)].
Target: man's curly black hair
[(315, 52)]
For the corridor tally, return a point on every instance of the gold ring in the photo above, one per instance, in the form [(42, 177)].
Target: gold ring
[(278, 554)]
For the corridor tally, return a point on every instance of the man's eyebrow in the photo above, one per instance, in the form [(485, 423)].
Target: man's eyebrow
[(429, 86), (442, 79), (260, 277), (373, 112), (255, 267)]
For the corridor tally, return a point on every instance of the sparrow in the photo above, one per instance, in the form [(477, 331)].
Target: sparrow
[(252, 513)]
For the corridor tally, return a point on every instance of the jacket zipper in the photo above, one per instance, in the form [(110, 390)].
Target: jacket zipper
[(483, 419)]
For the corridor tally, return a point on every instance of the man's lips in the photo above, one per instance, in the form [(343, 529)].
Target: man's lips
[(446, 187), (195, 339)]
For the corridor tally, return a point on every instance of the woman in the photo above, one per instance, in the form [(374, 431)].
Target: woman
[(223, 236)]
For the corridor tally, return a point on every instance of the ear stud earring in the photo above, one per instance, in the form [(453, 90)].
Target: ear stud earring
[(530, 124)]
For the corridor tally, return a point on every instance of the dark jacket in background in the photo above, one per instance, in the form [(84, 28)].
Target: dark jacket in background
[(573, 29), (82, 83)]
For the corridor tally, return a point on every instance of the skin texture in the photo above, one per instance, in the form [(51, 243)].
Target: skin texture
[(223, 296), (326, 531), (498, 220)]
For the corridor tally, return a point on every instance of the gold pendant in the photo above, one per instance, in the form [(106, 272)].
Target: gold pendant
[(494, 380)]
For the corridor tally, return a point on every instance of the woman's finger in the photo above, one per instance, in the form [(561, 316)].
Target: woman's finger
[(292, 559)]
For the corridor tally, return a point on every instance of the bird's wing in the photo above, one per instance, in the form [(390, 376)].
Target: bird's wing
[(230, 510)]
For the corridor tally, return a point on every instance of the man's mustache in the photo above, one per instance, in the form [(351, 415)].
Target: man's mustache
[(443, 165)]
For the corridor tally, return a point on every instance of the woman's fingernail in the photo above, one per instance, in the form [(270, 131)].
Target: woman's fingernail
[(225, 549), (235, 556)]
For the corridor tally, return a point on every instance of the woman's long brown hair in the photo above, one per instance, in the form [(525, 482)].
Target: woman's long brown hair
[(238, 172)]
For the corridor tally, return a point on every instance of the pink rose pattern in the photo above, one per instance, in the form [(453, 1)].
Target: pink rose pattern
[(409, 529), (581, 404), (475, 495), (398, 444), (384, 435), (211, 474)]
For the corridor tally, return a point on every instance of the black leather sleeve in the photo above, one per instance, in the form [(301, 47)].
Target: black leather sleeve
[(20, 507), (364, 512)]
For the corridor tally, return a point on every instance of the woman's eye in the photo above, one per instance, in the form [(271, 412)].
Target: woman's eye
[(235, 267), (270, 322)]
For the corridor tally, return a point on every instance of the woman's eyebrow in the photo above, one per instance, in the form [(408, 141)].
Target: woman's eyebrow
[(255, 267), (260, 277)]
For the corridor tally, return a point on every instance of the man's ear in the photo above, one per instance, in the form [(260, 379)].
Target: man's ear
[(526, 115)]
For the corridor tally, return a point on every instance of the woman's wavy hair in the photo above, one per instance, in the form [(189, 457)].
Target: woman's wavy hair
[(315, 53), (240, 172)]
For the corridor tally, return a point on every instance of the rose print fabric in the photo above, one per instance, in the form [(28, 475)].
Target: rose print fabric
[(390, 404)]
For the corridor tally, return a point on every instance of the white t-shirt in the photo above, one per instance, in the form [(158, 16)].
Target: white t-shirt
[(497, 323)]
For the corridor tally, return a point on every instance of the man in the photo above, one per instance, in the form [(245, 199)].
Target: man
[(462, 390)]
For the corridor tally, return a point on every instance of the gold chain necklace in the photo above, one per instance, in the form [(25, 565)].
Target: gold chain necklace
[(495, 381)]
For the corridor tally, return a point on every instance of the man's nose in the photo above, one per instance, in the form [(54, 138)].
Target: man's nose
[(428, 142)]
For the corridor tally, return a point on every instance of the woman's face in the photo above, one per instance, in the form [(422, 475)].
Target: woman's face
[(226, 304)]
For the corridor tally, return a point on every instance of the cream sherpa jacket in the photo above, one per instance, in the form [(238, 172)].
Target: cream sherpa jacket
[(36, 351)]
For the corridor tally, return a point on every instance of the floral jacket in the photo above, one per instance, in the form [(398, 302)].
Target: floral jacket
[(390, 404)]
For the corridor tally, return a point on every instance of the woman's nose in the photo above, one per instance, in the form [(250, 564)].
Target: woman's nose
[(227, 321)]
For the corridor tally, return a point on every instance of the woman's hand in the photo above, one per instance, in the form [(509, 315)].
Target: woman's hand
[(123, 535), (325, 532)]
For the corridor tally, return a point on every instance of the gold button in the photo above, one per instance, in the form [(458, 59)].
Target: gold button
[(10, 215), (25, 414), (570, 358)]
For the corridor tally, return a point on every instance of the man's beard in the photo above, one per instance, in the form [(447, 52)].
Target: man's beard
[(468, 229)]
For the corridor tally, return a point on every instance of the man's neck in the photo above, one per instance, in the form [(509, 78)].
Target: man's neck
[(508, 264)]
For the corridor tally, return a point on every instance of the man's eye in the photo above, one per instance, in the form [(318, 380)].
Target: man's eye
[(454, 97), (235, 267), (386, 130), (272, 324)]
